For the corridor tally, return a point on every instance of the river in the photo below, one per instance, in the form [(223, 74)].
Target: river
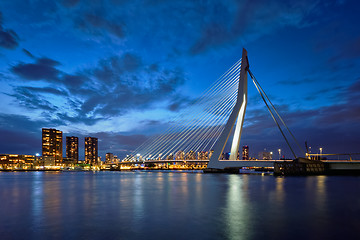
[(177, 205)]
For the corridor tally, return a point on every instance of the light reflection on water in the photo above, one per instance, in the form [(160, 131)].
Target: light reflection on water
[(176, 205), (237, 208)]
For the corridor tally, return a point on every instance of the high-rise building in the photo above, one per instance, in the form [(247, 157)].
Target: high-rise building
[(52, 144), (91, 150), (245, 152), (72, 148), (109, 157)]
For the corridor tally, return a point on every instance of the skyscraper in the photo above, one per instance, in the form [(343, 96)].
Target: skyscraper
[(52, 144), (72, 148), (109, 157), (245, 152), (91, 150)]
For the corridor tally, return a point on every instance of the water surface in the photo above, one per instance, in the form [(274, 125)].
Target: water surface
[(177, 205)]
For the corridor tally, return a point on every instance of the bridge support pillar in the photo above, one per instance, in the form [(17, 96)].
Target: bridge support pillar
[(238, 114)]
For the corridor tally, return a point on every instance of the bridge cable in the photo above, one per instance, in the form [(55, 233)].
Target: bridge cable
[(187, 130), (272, 115), (200, 101), (277, 113), (200, 127)]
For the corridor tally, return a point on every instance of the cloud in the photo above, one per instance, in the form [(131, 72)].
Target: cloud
[(124, 83), (113, 87), (37, 90), (70, 3), (29, 99), (297, 82), (118, 143), (349, 50), (19, 134), (335, 127), (42, 69), (64, 118), (95, 24), (251, 20), (8, 38), (179, 102), (29, 54)]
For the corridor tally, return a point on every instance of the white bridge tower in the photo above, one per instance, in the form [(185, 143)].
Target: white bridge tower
[(237, 115)]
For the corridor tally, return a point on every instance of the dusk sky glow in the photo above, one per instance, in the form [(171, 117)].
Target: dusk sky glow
[(119, 70)]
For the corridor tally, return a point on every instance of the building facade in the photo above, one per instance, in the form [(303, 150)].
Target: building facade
[(52, 144), (245, 152), (72, 148), (91, 150), (16, 161), (265, 155), (109, 157)]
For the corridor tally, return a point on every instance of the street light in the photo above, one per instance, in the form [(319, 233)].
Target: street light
[(320, 152), (279, 150)]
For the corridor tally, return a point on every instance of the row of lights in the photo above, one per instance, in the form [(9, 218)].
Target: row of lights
[(279, 150)]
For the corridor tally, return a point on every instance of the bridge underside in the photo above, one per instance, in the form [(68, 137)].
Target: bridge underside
[(224, 163), (239, 163)]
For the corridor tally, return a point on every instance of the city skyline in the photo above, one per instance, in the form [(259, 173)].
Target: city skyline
[(118, 72)]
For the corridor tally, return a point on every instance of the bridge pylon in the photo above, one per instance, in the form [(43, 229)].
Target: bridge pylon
[(237, 115)]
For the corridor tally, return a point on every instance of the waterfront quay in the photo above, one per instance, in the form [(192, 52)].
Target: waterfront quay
[(14, 162)]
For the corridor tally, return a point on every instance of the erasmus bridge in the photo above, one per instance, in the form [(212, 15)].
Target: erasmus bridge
[(209, 124)]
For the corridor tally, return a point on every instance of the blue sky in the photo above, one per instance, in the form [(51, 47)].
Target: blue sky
[(118, 69)]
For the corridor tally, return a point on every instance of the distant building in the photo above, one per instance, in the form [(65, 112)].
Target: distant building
[(109, 157), (91, 150), (245, 152), (180, 155), (49, 161), (16, 161), (265, 155), (69, 162), (225, 156), (210, 153), (52, 144), (190, 155), (202, 155), (72, 148)]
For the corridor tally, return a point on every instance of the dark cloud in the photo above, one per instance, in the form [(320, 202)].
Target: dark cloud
[(95, 23), (333, 127), (124, 83), (294, 82), (20, 123), (42, 69), (70, 3), (179, 102), (16, 142), (349, 50), (113, 87), (29, 54), (27, 98), (213, 35), (37, 90), (64, 118), (74, 81), (19, 134), (119, 143), (251, 20), (8, 38)]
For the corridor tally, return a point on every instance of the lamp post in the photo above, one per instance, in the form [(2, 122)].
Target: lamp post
[(320, 149), (279, 150)]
